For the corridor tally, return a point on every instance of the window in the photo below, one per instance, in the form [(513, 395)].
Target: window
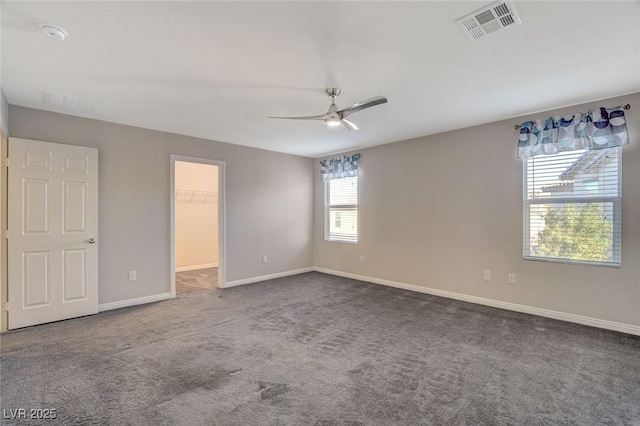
[(572, 206), (341, 210)]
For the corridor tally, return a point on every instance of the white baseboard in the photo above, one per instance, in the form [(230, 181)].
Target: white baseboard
[(267, 277), (133, 302), (563, 316), (194, 267)]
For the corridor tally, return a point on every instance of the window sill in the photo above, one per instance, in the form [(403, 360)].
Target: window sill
[(573, 262), (340, 241)]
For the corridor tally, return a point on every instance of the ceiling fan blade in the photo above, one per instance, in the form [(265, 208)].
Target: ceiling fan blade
[(310, 117), (359, 106), (348, 125)]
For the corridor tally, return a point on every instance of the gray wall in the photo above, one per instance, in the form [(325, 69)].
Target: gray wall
[(437, 210), (269, 201), (4, 112)]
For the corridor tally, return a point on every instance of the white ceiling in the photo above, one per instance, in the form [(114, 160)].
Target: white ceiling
[(215, 70)]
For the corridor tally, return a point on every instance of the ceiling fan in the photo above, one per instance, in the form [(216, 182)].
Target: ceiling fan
[(337, 117)]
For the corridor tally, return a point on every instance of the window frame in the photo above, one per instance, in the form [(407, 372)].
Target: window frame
[(339, 208), (616, 224)]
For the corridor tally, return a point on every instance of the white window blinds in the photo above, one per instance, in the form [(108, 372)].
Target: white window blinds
[(572, 203), (341, 209)]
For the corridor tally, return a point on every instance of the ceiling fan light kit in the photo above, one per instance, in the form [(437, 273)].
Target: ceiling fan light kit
[(335, 117)]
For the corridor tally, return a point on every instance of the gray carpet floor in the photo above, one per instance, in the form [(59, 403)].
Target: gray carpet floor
[(196, 280), (315, 349)]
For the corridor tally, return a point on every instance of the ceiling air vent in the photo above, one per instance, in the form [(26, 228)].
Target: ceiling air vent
[(489, 19), (68, 101)]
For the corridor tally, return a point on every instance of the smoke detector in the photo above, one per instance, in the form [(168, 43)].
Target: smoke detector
[(489, 19), (58, 33)]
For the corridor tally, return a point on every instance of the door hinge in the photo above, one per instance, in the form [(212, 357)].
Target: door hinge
[(5, 162), (5, 234), (5, 307)]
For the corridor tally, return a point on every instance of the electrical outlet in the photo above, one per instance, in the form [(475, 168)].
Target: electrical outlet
[(486, 275), (511, 278), (362, 258), (264, 258), (133, 275)]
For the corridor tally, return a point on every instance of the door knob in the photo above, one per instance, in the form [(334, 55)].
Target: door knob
[(92, 240)]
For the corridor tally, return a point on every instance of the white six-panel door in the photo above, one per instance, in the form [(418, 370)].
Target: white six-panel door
[(53, 231)]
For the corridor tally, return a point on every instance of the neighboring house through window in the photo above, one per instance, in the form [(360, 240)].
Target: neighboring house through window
[(338, 222)]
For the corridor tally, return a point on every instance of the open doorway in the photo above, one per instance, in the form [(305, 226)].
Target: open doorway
[(197, 224)]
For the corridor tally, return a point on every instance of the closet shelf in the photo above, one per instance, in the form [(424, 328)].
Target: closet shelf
[(191, 196)]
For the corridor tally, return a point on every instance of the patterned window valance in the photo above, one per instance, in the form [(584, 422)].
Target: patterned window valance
[(602, 128), (337, 168)]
